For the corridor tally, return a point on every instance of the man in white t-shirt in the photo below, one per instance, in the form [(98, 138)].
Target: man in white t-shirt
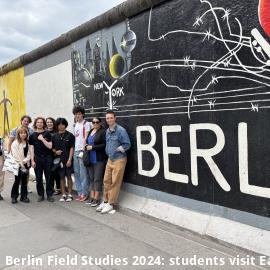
[(81, 130)]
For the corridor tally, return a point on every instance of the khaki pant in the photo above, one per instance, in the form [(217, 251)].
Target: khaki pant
[(2, 174), (113, 178)]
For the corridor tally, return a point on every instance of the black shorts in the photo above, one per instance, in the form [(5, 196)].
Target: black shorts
[(65, 171)]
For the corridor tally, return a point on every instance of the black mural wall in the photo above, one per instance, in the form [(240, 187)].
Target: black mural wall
[(190, 81)]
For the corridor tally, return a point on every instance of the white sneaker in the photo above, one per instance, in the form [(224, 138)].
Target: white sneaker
[(101, 206), (69, 198), (108, 208), (63, 198)]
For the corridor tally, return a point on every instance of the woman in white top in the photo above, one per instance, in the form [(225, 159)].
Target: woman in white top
[(21, 154)]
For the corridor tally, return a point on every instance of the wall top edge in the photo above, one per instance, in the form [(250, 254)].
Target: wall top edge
[(111, 17)]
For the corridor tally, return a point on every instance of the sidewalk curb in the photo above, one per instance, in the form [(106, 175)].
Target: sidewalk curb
[(235, 233)]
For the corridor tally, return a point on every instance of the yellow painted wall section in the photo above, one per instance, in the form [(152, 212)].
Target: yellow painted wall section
[(12, 100)]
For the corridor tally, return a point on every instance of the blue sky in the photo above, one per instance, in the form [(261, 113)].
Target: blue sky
[(27, 24)]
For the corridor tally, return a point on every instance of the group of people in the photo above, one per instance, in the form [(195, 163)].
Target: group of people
[(96, 156)]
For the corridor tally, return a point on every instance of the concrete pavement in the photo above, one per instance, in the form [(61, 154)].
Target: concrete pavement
[(47, 235)]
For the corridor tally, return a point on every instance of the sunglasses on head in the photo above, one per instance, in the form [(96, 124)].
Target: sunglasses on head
[(95, 122)]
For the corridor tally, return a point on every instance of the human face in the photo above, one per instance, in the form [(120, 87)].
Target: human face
[(61, 128), (79, 117), (49, 123), (96, 123), (25, 122), (40, 124), (110, 119), (23, 135)]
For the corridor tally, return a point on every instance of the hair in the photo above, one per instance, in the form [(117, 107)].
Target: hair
[(53, 120), (28, 117), (19, 131), (98, 118), (40, 118), (60, 121), (78, 109), (110, 112)]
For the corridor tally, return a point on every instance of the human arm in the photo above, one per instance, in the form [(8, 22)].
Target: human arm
[(48, 144), (100, 143), (87, 129), (15, 152), (32, 155), (124, 140), (71, 150)]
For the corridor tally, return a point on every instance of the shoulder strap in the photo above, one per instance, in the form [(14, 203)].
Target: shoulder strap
[(84, 128), (26, 150)]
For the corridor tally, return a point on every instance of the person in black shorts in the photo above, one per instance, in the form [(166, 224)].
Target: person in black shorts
[(41, 158), (63, 148)]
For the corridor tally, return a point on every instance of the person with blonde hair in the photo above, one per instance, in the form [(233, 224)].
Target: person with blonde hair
[(21, 154)]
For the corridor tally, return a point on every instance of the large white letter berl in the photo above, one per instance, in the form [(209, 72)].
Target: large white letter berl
[(147, 147), (207, 154), (245, 187), (182, 178)]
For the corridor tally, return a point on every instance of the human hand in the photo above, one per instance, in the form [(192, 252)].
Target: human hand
[(58, 152), (33, 164), (89, 147), (40, 137)]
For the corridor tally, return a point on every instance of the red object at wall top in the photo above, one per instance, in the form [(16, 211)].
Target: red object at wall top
[(264, 15)]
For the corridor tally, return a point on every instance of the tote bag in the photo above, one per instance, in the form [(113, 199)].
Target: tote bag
[(11, 165)]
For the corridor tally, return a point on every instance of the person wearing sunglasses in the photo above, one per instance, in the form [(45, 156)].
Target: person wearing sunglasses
[(95, 145)]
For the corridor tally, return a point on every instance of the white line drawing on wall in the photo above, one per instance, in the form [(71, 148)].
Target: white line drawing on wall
[(208, 81)]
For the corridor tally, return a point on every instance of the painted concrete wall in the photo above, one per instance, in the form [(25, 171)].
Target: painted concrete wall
[(190, 82), (48, 86), (12, 100)]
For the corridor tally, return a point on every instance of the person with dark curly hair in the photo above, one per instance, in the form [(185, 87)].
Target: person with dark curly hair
[(51, 125), (41, 157), (81, 131)]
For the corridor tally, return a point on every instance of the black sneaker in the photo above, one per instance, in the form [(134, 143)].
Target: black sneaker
[(63, 198), (69, 198), (40, 198), (25, 200), (94, 203), (1, 198), (14, 200), (89, 202), (57, 192), (50, 199)]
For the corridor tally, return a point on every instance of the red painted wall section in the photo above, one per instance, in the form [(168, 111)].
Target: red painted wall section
[(264, 15)]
